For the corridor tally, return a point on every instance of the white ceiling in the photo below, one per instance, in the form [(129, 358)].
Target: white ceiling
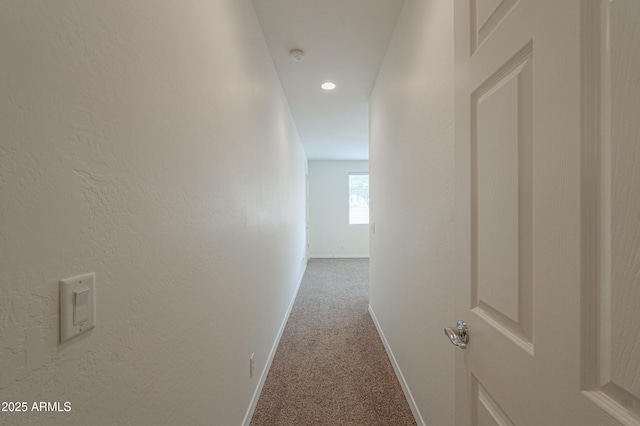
[(344, 41)]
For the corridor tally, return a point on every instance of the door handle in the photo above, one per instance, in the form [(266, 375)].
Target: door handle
[(459, 336)]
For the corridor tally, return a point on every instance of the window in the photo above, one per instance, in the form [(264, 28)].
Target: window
[(358, 198)]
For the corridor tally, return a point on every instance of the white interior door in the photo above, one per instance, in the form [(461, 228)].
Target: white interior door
[(548, 184)]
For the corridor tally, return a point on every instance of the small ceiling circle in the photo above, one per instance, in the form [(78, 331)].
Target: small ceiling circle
[(328, 85), (296, 55)]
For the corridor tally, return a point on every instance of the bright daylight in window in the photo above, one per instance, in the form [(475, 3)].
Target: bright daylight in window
[(358, 198)]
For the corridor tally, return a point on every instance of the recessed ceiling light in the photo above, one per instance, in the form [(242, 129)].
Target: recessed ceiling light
[(328, 85)]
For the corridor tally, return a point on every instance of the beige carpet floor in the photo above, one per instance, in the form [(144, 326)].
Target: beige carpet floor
[(330, 367)]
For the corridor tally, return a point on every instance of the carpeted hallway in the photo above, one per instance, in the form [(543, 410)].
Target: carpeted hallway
[(331, 367)]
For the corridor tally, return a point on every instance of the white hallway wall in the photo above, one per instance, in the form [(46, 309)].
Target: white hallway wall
[(149, 142), (412, 184), (330, 234)]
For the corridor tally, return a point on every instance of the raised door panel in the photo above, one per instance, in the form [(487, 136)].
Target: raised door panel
[(486, 15), (501, 199), (614, 379), (624, 179), (487, 412), (484, 10)]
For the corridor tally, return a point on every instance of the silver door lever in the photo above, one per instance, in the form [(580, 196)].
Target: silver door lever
[(459, 336)]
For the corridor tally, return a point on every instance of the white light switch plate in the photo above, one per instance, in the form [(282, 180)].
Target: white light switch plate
[(76, 307)]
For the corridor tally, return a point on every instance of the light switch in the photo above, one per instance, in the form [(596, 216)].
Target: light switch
[(80, 306), (77, 305)]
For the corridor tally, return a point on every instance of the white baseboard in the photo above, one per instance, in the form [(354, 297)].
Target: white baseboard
[(339, 256), (272, 353), (396, 368)]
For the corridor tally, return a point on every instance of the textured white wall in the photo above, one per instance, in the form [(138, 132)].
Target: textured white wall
[(330, 234), (412, 190), (150, 142)]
